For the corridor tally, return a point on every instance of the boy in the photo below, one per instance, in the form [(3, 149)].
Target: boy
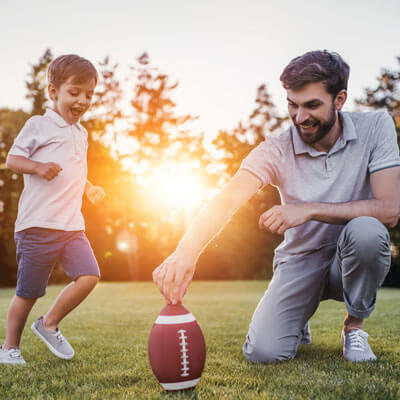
[(51, 152)]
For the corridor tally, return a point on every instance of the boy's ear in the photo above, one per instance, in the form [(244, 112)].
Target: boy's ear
[(52, 92)]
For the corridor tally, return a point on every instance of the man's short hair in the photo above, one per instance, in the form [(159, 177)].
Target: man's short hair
[(317, 66), (63, 67)]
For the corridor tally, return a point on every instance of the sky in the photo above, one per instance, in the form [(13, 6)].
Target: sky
[(218, 51)]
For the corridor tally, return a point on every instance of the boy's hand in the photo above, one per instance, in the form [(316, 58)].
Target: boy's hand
[(95, 194), (47, 170)]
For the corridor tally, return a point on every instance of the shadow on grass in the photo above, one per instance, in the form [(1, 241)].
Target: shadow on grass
[(183, 394), (318, 352)]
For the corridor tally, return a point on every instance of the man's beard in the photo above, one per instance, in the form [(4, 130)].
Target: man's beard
[(323, 128)]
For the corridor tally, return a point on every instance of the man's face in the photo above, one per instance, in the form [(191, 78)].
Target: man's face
[(313, 111), (71, 99)]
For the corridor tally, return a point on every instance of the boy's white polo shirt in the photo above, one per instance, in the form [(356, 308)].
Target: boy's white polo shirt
[(54, 204)]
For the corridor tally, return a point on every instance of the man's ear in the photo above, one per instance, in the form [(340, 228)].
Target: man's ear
[(340, 99), (53, 92)]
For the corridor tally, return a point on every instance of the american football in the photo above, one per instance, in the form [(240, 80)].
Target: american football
[(177, 350)]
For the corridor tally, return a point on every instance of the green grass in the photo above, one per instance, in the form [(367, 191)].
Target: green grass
[(109, 332)]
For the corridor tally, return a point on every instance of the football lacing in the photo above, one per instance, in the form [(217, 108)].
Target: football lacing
[(184, 351)]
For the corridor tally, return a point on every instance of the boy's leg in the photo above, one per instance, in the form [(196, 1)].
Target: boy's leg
[(70, 297), (79, 263), (36, 255), (292, 297), (18, 312)]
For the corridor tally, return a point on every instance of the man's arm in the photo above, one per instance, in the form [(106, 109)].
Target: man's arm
[(384, 206), (23, 165), (178, 268)]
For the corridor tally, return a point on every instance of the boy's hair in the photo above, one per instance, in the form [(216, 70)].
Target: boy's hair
[(63, 67), (317, 66)]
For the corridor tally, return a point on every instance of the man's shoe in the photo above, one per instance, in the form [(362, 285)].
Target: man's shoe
[(55, 341), (305, 334), (356, 347), (11, 356)]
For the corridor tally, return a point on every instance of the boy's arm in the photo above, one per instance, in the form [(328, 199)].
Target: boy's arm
[(23, 165), (178, 268)]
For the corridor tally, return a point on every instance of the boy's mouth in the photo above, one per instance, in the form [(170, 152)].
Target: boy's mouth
[(77, 112)]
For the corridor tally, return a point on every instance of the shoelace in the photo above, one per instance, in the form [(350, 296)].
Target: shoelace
[(14, 353), (357, 340), (59, 337)]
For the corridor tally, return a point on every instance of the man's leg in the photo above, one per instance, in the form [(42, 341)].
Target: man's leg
[(291, 299), (18, 312), (360, 266)]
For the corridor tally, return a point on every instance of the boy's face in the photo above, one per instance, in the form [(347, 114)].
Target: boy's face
[(71, 99)]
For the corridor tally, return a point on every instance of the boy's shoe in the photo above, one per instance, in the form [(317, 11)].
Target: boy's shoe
[(356, 347), (55, 341), (305, 334), (11, 356)]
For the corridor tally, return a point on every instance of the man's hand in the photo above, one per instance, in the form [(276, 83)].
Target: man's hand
[(95, 194), (176, 271), (47, 170), (280, 218)]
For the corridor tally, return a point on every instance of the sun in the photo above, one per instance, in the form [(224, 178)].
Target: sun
[(177, 186)]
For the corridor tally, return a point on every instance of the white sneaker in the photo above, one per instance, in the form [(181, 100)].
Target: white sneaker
[(11, 356), (356, 347)]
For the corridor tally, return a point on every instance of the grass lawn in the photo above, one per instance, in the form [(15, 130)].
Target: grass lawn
[(109, 332)]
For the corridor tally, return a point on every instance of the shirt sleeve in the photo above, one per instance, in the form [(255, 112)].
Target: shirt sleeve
[(262, 162), (385, 149), (27, 141)]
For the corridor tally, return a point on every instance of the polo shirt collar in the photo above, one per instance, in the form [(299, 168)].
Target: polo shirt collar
[(348, 133), (59, 120)]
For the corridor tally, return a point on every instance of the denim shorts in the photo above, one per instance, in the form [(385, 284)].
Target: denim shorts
[(38, 249)]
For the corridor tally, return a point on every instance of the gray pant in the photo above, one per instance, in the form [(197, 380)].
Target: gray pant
[(352, 271)]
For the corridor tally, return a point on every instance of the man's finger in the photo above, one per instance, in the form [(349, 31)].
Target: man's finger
[(270, 221), (177, 287), (274, 227), (185, 283), (168, 279)]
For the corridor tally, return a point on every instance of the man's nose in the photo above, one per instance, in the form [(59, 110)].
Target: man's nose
[(302, 116)]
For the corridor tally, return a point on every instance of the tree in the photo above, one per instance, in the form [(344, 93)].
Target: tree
[(37, 84), (386, 95), (11, 185), (243, 249)]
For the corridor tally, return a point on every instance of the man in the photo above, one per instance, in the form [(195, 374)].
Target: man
[(338, 176)]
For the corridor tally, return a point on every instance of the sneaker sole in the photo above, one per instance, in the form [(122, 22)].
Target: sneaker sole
[(13, 363), (51, 348)]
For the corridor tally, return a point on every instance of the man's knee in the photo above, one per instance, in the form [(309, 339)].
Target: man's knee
[(367, 237), (267, 353)]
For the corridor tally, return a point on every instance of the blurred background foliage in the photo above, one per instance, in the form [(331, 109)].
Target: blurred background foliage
[(157, 171)]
